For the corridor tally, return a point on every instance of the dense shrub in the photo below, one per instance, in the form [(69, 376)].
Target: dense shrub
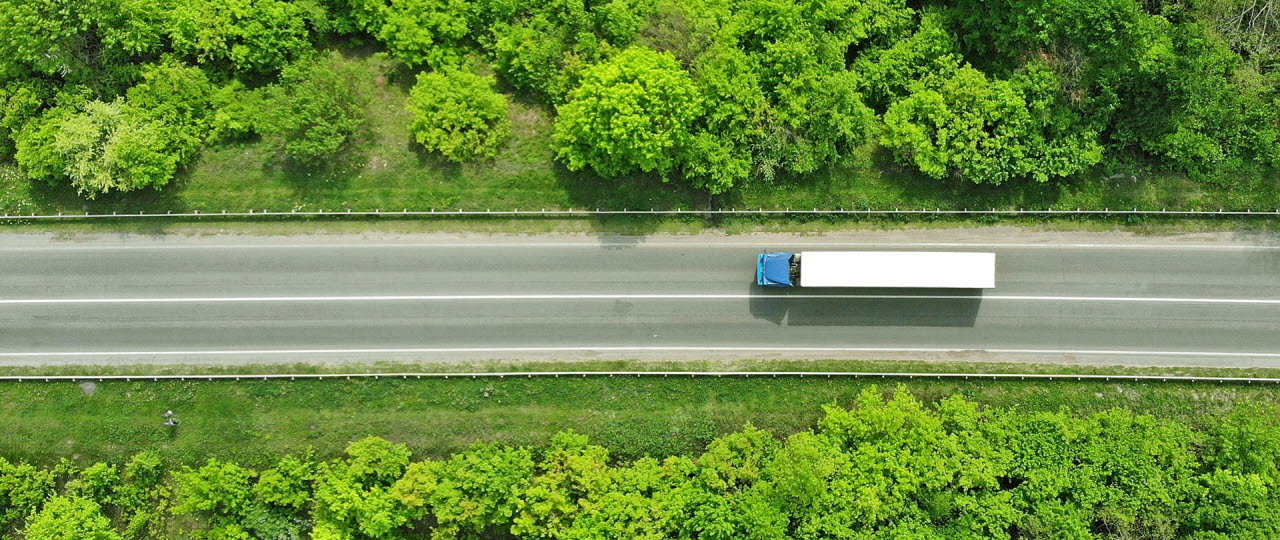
[(425, 32), (315, 110), (126, 144), (458, 114), (632, 113), (244, 36)]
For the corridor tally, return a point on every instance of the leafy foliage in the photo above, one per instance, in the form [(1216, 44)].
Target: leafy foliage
[(458, 114), (721, 94), (890, 466), (240, 35), (990, 131), (123, 145), (632, 113), (62, 518), (314, 112), (426, 32)]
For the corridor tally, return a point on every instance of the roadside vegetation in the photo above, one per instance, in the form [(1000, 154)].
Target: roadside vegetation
[(639, 458), (333, 104)]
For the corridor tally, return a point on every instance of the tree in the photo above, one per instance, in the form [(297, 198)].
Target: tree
[(887, 74), (425, 32), (353, 496), (315, 111), (632, 113), (20, 102), (40, 35), (64, 518), (23, 487), (471, 492), (458, 114), (240, 36), (818, 118), (109, 147), (720, 154), (1186, 104), (1251, 27), (122, 145), (985, 131), (526, 58), (572, 471), (179, 97)]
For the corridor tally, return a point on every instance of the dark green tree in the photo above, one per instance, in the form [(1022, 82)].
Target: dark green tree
[(315, 111)]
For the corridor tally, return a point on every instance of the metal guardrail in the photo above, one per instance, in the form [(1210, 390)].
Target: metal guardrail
[(651, 374), (675, 212)]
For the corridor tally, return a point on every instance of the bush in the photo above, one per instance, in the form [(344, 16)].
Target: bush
[(20, 102), (125, 144), (632, 113), (65, 518), (315, 110), (973, 128), (242, 36), (425, 32), (111, 147), (458, 114)]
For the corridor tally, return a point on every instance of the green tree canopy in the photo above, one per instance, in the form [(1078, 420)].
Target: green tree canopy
[(632, 113), (990, 131), (64, 518), (426, 32), (458, 114), (242, 36), (315, 111)]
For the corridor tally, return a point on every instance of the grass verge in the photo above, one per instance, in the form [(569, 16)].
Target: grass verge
[(621, 225), (254, 421)]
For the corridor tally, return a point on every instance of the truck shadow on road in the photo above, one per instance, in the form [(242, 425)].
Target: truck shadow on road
[(866, 307)]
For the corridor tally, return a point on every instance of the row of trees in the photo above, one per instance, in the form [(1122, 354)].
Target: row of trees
[(717, 92), (890, 467)]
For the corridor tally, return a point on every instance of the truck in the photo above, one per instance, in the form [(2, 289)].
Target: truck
[(902, 269)]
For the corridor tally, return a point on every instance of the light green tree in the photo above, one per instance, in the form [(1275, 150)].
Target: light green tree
[(243, 36), (425, 32), (471, 492), (572, 472), (458, 114), (64, 518), (354, 495), (631, 113)]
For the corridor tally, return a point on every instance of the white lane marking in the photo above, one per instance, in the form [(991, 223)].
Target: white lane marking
[(505, 350), (623, 244), (501, 297)]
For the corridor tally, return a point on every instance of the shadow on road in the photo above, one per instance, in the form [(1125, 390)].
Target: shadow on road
[(798, 307)]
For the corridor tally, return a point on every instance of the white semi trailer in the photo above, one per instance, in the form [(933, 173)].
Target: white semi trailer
[(902, 269)]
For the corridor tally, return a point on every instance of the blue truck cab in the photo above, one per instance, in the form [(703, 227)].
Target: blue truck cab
[(774, 269)]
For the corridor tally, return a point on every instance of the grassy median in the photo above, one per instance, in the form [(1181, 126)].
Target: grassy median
[(255, 421)]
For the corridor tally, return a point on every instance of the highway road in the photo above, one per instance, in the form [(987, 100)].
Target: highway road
[(279, 299)]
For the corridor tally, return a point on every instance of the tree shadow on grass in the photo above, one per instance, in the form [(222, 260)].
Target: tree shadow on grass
[(589, 191), (63, 197), (875, 180), (315, 184)]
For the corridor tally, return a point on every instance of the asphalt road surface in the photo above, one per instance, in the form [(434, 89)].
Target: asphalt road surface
[(247, 300)]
